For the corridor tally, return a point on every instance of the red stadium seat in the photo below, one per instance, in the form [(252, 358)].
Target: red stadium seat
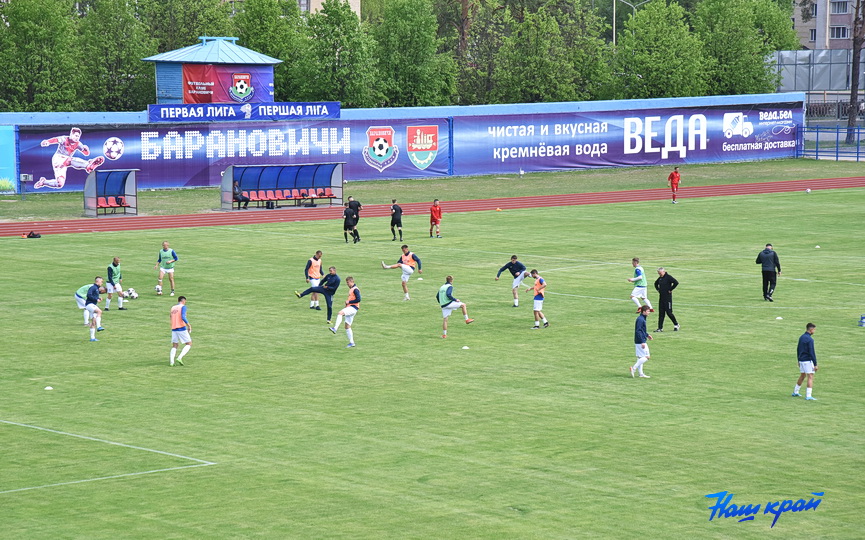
[(319, 192), (101, 202), (253, 195), (271, 196), (112, 202), (121, 200), (329, 193), (295, 194)]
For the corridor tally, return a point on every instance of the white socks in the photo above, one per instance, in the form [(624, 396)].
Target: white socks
[(171, 356), (92, 333), (108, 302), (98, 321), (86, 317), (119, 302), (807, 392), (636, 301), (338, 320), (796, 389), (639, 365), (183, 352), (350, 335)]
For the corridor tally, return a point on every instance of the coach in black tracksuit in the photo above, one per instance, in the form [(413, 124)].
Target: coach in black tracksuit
[(769, 259), (665, 285)]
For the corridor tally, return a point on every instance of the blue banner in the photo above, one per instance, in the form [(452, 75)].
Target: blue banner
[(8, 174), (541, 142), (236, 112)]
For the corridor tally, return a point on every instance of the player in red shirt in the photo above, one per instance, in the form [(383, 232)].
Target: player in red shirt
[(673, 182), (435, 219)]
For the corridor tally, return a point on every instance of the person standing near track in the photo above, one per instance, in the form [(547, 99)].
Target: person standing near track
[(349, 222), (673, 181), (395, 220), (769, 261), (665, 285), (356, 207), (435, 219)]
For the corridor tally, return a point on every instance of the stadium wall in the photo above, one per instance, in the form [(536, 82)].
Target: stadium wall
[(431, 141)]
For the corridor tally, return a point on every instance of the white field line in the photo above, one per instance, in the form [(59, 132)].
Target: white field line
[(198, 462)]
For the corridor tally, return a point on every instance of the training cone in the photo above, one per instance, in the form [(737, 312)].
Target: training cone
[(498, 209)]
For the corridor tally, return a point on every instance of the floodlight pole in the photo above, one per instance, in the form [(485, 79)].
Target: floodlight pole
[(633, 8)]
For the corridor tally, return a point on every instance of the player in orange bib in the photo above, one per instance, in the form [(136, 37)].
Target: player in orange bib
[(312, 273), (352, 305), (180, 329), (539, 289), (407, 262)]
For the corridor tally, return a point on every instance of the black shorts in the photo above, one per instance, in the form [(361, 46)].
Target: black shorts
[(349, 224), (396, 222)]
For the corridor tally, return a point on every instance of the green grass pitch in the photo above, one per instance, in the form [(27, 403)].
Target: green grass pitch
[(274, 430)]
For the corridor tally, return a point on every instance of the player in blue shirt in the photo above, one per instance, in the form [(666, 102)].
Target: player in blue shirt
[(641, 346), (91, 305), (518, 271), (327, 286), (807, 361)]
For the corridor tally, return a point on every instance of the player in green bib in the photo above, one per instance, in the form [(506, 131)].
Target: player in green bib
[(165, 263), (639, 294)]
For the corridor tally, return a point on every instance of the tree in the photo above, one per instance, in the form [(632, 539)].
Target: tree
[(412, 72), (582, 31), (490, 25), (341, 66), (739, 35), (657, 56), (41, 59), (533, 64), (114, 41), (276, 28), (179, 23)]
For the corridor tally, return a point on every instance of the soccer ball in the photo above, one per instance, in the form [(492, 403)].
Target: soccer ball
[(380, 147), (808, 190), (131, 294), (112, 148), (158, 289)]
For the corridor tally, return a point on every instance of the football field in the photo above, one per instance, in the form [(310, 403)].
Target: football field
[(273, 429)]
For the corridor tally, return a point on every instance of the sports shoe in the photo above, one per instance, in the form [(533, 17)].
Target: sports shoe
[(644, 376), (659, 330), (384, 266), (430, 236), (393, 239), (438, 236), (406, 299), (172, 294), (676, 328), (536, 327), (632, 371), (515, 305), (769, 298), (795, 394), (179, 361), (469, 321), (810, 399), (318, 308), (651, 310), (121, 309), (99, 329), (444, 336), (328, 322), (93, 339), (297, 294), (332, 329), (675, 202), (93, 163), (171, 363), (350, 345), (106, 309), (546, 325)]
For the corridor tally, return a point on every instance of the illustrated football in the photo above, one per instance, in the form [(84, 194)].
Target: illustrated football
[(380, 147), (241, 87), (112, 148)]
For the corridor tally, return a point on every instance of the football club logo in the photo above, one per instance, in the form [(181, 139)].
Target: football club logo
[(422, 145), (380, 152), (241, 89)]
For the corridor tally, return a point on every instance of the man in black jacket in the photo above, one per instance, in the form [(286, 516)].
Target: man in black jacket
[(665, 285), (769, 261)]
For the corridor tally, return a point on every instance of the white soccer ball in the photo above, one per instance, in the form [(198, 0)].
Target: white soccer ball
[(158, 289), (808, 190), (131, 294), (112, 148), (380, 147), (241, 87)]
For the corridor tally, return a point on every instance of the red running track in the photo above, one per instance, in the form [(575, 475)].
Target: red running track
[(283, 215)]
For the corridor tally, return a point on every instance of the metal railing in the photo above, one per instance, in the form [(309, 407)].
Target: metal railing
[(832, 143)]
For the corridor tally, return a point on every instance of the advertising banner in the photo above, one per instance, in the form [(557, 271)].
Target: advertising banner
[(227, 83), (236, 112), (508, 144), (8, 174), (194, 155)]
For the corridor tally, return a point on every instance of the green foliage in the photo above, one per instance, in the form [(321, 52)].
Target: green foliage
[(342, 64), (41, 57), (179, 23), (485, 38), (657, 56), (738, 35), (533, 64), (590, 56), (115, 40), (412, 71), (276, 28)]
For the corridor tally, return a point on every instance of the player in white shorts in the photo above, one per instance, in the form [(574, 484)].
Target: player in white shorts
[(407, 263), (352, 304), (540, 291), (180, 329), (449, 304), (641, 345), (518, 271), (639, 295)]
